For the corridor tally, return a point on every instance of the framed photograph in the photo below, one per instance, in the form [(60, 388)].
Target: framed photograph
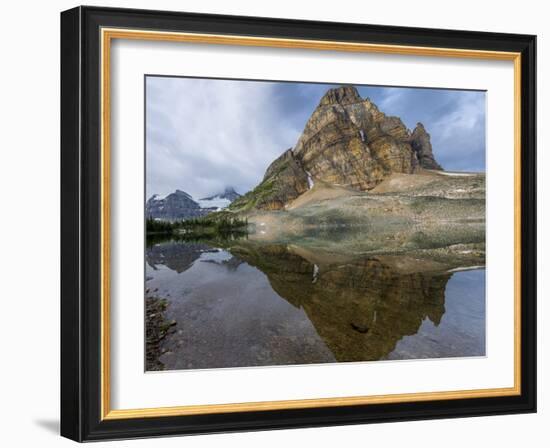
[(273, 223)]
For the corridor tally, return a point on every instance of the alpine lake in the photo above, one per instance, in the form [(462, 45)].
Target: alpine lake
[(243, 301)]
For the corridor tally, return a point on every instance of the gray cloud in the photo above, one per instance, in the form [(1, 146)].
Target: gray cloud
[(203, 135)]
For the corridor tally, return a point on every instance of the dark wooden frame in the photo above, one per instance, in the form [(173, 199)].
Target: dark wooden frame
[(81, 224)]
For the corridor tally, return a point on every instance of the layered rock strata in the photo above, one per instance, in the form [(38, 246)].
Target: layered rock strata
[(347, 142)]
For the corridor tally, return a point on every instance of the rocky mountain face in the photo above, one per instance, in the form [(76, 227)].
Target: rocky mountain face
[(181, 205), (284, 180), (175, 206), (347, 142)]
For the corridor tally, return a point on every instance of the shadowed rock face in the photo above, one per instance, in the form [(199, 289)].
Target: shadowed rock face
[(421, 145), (348, 142), (284, 181), (361, 308)]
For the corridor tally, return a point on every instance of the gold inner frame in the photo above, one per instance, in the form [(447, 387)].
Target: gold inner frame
[(107, 35)]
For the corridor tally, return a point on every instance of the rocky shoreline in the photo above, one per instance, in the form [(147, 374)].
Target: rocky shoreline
[(157, 327)]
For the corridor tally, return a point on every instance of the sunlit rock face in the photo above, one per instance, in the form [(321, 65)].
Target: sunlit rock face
[(348, 142)]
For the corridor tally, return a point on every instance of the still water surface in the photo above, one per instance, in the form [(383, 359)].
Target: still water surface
[(261, 305)]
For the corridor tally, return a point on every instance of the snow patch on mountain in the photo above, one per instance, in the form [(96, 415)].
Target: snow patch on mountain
[(214, 202)]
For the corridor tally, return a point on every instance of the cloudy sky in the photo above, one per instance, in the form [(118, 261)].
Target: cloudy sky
[(203, 135)]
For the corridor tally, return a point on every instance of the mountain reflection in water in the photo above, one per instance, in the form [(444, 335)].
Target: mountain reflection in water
[(257, 305)]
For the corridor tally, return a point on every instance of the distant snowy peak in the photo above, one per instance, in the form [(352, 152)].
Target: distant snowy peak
[(214, 202), (172, 207), (177, 194), (220, 200), (181, 205), (229, 193), (180, 192)]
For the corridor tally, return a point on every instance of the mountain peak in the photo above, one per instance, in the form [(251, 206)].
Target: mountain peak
[(182, 193), (348, 142), (228, 193), (229, 190), (172, 207), (341, 95), (422, 146)]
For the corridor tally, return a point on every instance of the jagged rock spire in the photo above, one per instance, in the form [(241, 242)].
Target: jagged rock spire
[(422, 146)]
